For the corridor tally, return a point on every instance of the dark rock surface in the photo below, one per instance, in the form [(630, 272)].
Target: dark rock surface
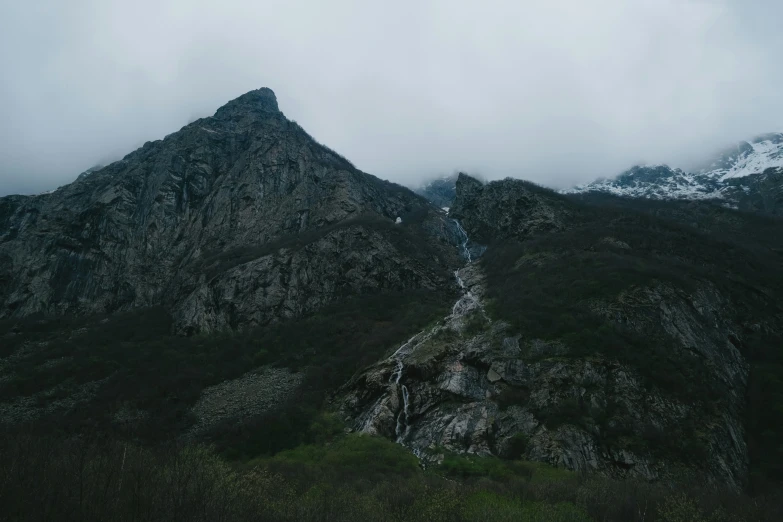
[(236, 219), (253, 394), (242, 219), (760, 193), (475, 384), (507, 209), (441, 192), (479, 392)]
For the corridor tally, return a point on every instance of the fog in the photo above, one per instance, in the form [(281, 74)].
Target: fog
[(558, 92)]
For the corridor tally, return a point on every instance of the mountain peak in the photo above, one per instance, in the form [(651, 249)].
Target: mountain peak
[(732, 176), (259, 100), (773, 137)]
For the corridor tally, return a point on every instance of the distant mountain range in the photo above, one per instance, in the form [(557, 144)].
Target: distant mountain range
[(747, 176)]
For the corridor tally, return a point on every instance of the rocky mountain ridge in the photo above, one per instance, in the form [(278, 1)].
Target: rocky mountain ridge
[(236, 220), (608, 335), (481, 382), (748, 176)]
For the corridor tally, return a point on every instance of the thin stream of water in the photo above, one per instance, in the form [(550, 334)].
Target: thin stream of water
[(402, 428)]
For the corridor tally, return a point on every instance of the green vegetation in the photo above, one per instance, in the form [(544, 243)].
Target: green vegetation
[(404, 236), (581, 286), (512, 396), (140, 365), (295, 463), (349, 478)]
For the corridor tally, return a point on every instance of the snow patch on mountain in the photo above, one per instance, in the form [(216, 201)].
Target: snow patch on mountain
[(766, 154), (664, 182)]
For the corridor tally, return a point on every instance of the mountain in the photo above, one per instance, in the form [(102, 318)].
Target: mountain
[(591, 336), (441, 192), (746, 158), (236, 220), (240, 285), (744, 177)]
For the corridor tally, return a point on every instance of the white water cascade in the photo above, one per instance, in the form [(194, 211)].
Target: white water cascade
[(466, 303), (402, 419), (464, 246)]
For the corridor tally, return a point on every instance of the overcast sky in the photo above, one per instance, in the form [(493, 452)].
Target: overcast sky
[(557, 92)]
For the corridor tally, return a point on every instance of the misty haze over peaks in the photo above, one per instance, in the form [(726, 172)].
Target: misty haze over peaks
[(559, 93)]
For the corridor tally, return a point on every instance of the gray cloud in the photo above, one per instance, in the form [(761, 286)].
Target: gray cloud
[(557, 92)]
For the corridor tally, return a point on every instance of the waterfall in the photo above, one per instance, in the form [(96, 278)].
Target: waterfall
[(460, 282), (464, 247), (397, 375), (467, 302), (402, 418)]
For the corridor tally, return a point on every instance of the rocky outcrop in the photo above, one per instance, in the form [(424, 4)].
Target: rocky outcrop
[(475, 384), (242, 219), (387, 398), (471, 385), (230, 221), (508, 208), (760, 193)]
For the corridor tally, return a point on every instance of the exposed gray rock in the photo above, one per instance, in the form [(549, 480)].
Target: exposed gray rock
[(474, 393), (253, 394), (761, 193), (473, 385), (230, 221), (505, 209)]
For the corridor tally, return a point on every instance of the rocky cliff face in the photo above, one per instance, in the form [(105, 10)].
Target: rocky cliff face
[(481, 382), (508, 209), (237, 219), (599, 337), (441, 192), (762, 193), (476, 386)]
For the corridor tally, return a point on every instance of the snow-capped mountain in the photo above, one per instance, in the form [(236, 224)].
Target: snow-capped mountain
[(657, 182), (748, 158), (733, 176)]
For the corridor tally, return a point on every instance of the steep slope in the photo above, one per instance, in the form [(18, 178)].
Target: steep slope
[(760, 193), (746, 158), (604, 339), (235, 220)]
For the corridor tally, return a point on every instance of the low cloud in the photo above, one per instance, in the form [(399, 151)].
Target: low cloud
[(557, 92)]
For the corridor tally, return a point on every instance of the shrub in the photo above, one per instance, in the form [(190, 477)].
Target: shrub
[(517, 446), (141, 366), (512, 396), (353, 478), (354, 456)]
